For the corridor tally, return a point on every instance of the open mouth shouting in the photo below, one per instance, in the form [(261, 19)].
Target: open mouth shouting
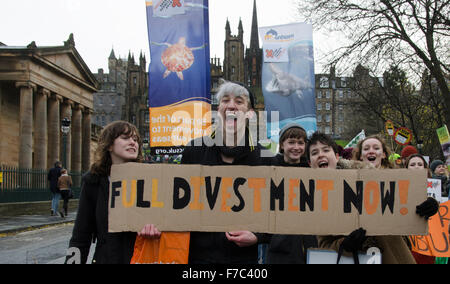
[(323, 164)]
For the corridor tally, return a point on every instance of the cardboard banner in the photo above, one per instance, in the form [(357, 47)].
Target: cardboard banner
[(288, 81), (266, 199), (437, 243), (179, 73)]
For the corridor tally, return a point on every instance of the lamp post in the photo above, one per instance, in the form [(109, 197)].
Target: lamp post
[(65, 128)]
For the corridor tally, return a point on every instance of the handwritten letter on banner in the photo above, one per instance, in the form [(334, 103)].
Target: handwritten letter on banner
[(266, 199)]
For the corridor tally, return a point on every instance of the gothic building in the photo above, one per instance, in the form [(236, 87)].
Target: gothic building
[(123, 93), (244, 64)]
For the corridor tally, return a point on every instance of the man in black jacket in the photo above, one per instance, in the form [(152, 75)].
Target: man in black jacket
[(52, 177), (230, 144)]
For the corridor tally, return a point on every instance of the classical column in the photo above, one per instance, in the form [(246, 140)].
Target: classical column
[(76, 138), (40, 130), (86, 141), (54, 130), (26, 124), (66, 142)]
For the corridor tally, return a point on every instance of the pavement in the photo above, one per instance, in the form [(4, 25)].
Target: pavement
[(11, 225)]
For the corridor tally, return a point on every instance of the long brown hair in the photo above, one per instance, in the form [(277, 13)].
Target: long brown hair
[(425, 164), (103, 162), (385, 163)]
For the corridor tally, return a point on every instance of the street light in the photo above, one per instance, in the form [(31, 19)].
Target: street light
[(65, 129)]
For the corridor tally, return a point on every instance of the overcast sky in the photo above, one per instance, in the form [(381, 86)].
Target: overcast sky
[(100, 25)]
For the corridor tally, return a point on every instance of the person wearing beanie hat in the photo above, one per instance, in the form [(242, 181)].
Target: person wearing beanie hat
[(438, 171), (435, 164), (292, 144), (406, 152), (290, 249)]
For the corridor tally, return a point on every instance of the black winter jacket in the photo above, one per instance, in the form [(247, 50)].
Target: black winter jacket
[(52, 177), (289, 249), (215, 247), (91, 225)]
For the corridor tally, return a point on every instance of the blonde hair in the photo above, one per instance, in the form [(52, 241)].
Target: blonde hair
[(385, 163)]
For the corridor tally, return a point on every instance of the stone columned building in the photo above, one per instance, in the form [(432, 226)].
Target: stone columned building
[(39, 86)]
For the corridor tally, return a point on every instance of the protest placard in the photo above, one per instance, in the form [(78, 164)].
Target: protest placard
[(266, 199), (437, 242)]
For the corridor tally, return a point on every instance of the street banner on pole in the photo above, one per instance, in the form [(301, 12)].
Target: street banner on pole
[(288, 77), (179, 73)]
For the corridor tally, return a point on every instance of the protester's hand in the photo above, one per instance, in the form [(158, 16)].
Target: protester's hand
[(354, 241), (150, 231), (428, 208), (242, 238)]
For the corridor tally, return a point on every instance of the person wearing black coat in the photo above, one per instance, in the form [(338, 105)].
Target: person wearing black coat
[(119, 143), (53, 176), (291, 249), (236, 148)]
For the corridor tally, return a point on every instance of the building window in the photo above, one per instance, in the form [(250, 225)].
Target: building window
[(343, 82), (328, 117), (328, 94), (135, 80), (328, 106), (341, 94), (319, 94), (327, 130), (324, 82), (319, 106), (233, 49), (319, 118), (233, 70)]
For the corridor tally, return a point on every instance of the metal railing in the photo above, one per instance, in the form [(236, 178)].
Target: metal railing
[(30, 185)]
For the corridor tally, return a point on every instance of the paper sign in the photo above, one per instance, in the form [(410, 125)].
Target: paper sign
[(434, 189), (403, 136), (437, 243), (315, 256), (265, 199), (390, 129), (444, 139)]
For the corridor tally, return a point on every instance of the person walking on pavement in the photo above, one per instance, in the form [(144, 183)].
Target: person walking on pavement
[(53, 176), (64, 185)]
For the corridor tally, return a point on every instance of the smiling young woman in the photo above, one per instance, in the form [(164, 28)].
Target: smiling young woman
[(373, 150)]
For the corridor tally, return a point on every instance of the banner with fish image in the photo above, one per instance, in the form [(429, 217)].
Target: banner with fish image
[(179, 73), (288, 80)]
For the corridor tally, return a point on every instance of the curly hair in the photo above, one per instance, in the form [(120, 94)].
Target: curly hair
[(385, 163), (103, 162)]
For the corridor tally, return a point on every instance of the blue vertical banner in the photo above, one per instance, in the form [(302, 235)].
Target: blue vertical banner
[(288, 80), (179, 73)]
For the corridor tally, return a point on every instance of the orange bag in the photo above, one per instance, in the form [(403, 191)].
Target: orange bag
[(171, 248)]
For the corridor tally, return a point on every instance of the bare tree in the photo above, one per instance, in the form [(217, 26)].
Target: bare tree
[(413, 34)]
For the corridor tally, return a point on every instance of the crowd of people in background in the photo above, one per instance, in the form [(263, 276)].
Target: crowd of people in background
[(120, 143)]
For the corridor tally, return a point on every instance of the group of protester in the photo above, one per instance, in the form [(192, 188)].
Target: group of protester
[(231, 144)]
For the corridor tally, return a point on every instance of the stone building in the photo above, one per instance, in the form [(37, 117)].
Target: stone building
[(39, 86), (136, 107), (110, 99)]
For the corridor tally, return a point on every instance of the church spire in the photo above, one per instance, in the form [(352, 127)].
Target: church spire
[(254, 38)]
